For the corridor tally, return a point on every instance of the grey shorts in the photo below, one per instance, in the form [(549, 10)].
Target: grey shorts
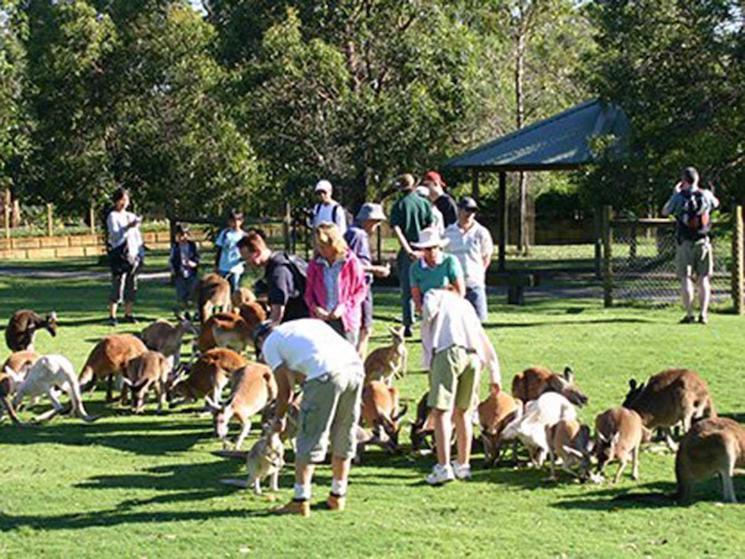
[(367, 310), (694, 258), (329, 413), (124, 286)]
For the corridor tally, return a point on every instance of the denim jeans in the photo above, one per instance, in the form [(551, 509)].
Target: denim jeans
[(234, 279), (407, 305), (477, 297)]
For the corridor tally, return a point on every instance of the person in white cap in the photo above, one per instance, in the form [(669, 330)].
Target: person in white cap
[(328, 209), (438, 221), (368, 219), (435, 269)]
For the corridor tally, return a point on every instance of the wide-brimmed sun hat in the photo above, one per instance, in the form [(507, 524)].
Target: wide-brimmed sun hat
[(405, 181), (370, 211), (430, 238)]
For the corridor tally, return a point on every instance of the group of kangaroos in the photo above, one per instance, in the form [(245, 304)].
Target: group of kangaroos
[(540, 413)]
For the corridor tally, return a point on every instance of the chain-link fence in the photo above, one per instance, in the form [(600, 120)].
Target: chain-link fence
[(643, 264)]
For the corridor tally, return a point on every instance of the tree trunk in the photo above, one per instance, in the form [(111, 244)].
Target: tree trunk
[(522, 207)]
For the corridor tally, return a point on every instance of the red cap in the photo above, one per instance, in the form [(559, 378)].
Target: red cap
[(434, 176)]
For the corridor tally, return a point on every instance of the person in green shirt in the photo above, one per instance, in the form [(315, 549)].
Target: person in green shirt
[(435, 269), (410, 215)]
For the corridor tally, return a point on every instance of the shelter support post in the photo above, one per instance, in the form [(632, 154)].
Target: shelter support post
[(475, 188), (502, 220), (738, 253), (607, 258), (7, 212), (597, 222)]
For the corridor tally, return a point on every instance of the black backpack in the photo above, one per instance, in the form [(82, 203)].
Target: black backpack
[(694, 221)]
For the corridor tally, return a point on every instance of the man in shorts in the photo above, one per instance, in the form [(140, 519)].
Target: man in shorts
[(309, 352), (455, 348), (692, 206)]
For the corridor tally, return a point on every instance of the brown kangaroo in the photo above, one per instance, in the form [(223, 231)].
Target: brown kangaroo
[(108, 358), (380, 411), (531, 383), (213, 292), (619, 433), (495, 412)]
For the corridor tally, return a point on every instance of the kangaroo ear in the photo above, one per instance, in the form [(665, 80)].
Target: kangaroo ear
[(568, 374), (632, 384), (52, 316)]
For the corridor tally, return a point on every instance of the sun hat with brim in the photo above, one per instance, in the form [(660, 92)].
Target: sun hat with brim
[(371, 211), (323, 186), (406, 182), (430, 238)]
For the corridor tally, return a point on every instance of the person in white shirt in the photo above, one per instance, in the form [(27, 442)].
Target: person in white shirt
[(126, 251), (472, 245), (438, 221), (327, 209), (308, 351), (455, 348)]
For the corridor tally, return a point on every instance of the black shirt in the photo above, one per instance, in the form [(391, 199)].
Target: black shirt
[(447, 208), (285, 277)]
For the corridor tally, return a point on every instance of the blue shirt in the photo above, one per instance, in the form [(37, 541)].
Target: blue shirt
[(331, 282), (230, 255), (359, 243)]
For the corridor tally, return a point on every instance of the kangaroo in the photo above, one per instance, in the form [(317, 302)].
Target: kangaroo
[(234, 330), (388, 362), (531, 383), (264, 460), (712, 446), (242, 296), (50, 375), (380, 411), (109, 358), (151, 368), (495, 413), (670, 397), (422, 429), (22, 328), (213, 292), (572, 443), (166, 338), (530, 428), (619, 434), (253, 388), (10, 379), (208, 376)]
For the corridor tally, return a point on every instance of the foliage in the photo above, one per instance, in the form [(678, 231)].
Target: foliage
[(676, 68)]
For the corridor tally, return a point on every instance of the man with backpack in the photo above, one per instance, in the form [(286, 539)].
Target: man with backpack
[(285, 275), (328, 209), (692, 206)]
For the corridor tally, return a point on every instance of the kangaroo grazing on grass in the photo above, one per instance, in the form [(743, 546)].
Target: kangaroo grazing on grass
[(572, 443), (11, 377), (714, 446), (208, 376), (495, 413), (109, 358), (253, 388), (166, 338), (531, 427), (388, 362), (380, 412), (670, 397), (422, 430), (22, 327), (50, 375), (151, 368), (619, 434), (531, 383), (213, 293), (234, 330), (242, 296)]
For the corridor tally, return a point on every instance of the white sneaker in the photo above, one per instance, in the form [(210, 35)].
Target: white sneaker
[(440, 475), (461, 471)]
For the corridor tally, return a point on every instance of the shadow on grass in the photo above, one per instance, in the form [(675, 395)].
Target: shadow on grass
[(141, 437), (565, 322)]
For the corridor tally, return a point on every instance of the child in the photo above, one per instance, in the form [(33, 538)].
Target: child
[(184, 262), (228, 261)]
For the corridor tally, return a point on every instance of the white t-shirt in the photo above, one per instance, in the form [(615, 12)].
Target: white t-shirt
[(326, 212), (470, 248), (311, 347), (119, 233)]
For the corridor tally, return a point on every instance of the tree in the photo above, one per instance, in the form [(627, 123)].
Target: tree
[(676, 68)]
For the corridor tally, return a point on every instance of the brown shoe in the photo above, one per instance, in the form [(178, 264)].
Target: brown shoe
[(334, 502), (294, 507)]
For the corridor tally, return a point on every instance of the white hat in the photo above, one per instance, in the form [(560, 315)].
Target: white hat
[(323, 186), (430, 237)]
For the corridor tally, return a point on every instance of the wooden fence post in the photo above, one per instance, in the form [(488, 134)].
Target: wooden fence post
[(632, 241), (7, 202), (738, 250), (597, 231), (607, 258), (50, 220)]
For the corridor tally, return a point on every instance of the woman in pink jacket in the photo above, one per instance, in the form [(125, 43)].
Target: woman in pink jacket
[(336, 285)]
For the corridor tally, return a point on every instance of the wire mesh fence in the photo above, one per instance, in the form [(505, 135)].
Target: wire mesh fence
[(644, 267)]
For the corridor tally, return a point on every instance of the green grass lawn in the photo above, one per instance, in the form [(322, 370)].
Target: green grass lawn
[(147, 486)]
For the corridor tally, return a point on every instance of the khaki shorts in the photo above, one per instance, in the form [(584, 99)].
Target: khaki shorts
[(329, 412), (453, 379), (694, 258)]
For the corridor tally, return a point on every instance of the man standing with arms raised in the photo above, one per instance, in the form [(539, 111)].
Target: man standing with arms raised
[(692, 206), (410, 214)]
